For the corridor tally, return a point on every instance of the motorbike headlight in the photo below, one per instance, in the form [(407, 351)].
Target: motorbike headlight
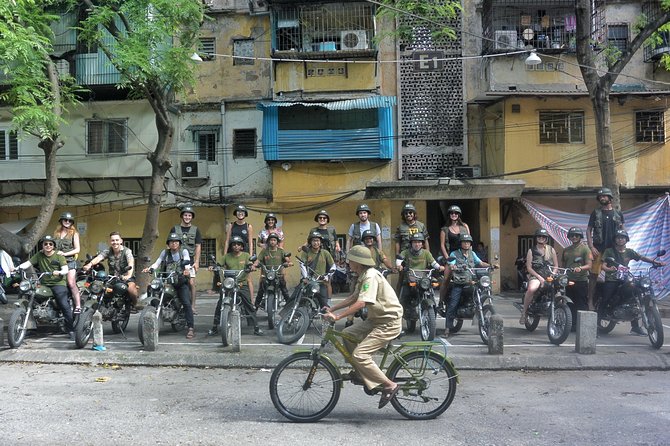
[(229, 283), (270, 275), (424, 283), (24, 285), (156, 284), (314, 287), (96, 287), (485, 281), (645, 282), (563, 281)]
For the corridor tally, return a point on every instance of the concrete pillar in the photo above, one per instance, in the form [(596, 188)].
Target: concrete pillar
[(96, 327), (587, 330), (2, 333), (496, 335), (490, 234), (150, 330), (235, 326)]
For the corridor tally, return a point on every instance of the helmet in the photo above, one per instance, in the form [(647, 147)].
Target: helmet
[(575, 231), (66, 216), (454, 208), (417, 236), (269, 216), (173, 237), (241, 208), (408, 208), (360, 254), (621, 233), (313, 235), (465, 238), (119, 289), (187, 209), (541, 233), (367, 233), (236, 239), (48, 238), (273, 235), (604, 191), (363, 207), (321, 212)]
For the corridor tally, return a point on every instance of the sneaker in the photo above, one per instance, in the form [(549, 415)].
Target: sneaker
[(348, 323), (77, 310), (213, 331), (639, 331), (258, 331), (71, 334)]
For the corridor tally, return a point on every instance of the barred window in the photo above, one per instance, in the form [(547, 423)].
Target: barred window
[(106, 136), (561, 127), (243, 48), (617, 35), (9, 145), (207, 48), (244, 143), (207, 146), (207, 250), (650, 126)]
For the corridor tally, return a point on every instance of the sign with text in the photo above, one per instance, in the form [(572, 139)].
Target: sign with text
[(428, 60)]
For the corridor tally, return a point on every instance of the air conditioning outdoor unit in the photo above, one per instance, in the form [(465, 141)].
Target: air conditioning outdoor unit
[(505, 39), (194, 170), (354, 40), (467, 172)]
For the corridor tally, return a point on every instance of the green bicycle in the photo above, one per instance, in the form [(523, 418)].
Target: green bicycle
[(305, 386)]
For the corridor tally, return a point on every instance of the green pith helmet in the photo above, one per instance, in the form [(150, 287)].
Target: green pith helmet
[(604, 191), (173, 237), (417, 236), (465, 238), (363, 207), (622, 233), (236, 239), (575, 231), (66, 216), (321, 212), (240, 208), (187, 209)]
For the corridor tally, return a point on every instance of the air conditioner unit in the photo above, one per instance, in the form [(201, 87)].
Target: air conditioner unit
[(194, 170), (467, 172), (354, 40), (505, 39)]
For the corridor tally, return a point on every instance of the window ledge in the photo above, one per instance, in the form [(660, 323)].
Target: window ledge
[(323, 55)]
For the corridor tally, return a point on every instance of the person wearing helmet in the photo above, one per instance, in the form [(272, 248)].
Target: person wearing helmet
[(271, 256), (539, 261), (176, 258), (192, 241), (410, 225), (270, 228), (47, 260), (118, 259), (240, 228), (450, 240), (603, 224), (579, 259), (329, 240), (464, 257), (363, 224), (317, 261), (239, 260), (67, 245), (383, 324), (613, 285)]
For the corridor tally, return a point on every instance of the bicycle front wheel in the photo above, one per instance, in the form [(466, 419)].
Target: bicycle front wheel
[(427, 384), (305, 389)]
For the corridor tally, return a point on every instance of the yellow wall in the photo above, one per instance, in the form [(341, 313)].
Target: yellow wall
[(290, 77)]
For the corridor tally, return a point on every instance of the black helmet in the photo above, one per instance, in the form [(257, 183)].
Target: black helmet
[(273, 235), (367, 233), (269, 216), (465, 238), (417, 236), (48, 238), (541, 233), (604, 191), (408, 208), (575, 231), (236, 239), (173, 237), (313, 235), (240, 208), (363, 207), (187, 209), (454, 208), (621, 233), (321, 212), (66, 216), (119, 288)]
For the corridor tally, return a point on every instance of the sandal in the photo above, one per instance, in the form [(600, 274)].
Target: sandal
[(388, 395), (522, 321), (77, 310), (190, 334)]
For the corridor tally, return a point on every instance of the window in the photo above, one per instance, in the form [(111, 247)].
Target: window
[(561, 127), (650, 126), (300, 117), (106, 136), (243, 48), (244, 143), (207, 146), (9, 145), (207, 250), (134, 245), (207, 48), (617, 35)]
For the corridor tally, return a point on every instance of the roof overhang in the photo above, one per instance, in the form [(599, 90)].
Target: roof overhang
[(444, 188)]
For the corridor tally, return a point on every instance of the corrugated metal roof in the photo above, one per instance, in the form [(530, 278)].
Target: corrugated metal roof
[(349, 104), (204, 128)]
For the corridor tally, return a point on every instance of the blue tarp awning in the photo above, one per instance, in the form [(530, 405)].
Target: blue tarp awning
[(371, 102)]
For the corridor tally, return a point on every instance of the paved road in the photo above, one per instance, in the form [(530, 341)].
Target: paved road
[(523, 350)]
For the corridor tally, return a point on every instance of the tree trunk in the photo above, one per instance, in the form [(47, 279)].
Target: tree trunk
[(608, 174)]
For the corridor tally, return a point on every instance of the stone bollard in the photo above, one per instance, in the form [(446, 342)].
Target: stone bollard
[(496, 335), (2, 333), (150, 331), (96, 327), (587, 330), (236, 329)]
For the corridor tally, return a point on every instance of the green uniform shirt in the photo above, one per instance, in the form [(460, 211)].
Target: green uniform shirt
[(43, 263), (269, 257), (570, 254), (622, 257), (423, 260), (231, 261), (323, 263)]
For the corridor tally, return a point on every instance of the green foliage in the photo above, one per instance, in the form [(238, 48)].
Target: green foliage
[(431, 15)]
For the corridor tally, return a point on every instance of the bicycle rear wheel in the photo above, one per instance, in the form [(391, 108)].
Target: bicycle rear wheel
[(300, 396), (428, 385)]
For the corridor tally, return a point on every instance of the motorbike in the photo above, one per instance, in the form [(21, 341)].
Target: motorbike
[(635, 299), (164, 301), (36, 306), (301, 307), (272, 295), (420, 301), (476, 303), (8, 281), (109, 295), (231, 302), (551, 302)]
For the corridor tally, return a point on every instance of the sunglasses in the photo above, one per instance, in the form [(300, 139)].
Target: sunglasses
[(48, 244), (66, 220), (454, 213), (323, 218)]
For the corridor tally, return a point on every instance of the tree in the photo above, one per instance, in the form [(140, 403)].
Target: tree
[(38, 97), (151, 44), (599, 79)]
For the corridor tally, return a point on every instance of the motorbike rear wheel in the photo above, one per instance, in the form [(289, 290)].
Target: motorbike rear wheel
[(531, 322), (485, 325), (655, 325), (427, 323), (558, 327), (605, 326), (140, 323), (456, 326), (290, 331), (305, 389), (15, 334), (226, 327), (84, 328), (120, 325)]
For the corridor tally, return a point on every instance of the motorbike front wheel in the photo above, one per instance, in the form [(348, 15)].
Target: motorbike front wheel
[(605, 325), (270, 308), (15, 332), (427, 384), (427, 323), (140, 323), (531, 322), (84, 328), (558, 327), (226, 328), (290, 330), (485, 325), (655, 325), (305, 389)]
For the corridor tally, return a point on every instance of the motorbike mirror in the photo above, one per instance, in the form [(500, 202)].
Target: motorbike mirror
[(185, 263), (212, 258), (253, 258), (610, 261), (287, 254), (495, 257), (451, 259), (146, 259), (89, 257), (660, 253)]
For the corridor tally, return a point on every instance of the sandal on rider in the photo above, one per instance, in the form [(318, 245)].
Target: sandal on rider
[(388, 395), (77, 310), (190, 334), (522, 320)]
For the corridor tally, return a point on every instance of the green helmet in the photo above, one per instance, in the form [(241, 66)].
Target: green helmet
[(575, 231), (66, 216), (622, 233), (408, 208), (417, 236), (605, 191), (367, 234), (363, 207), (454, 208), (269, 216), (236, 239), (541, 233), (273, 235), (187, 209), (465, 238), (240, 208), (313, 235), (173, 237), (321, 212), (48, 238)]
